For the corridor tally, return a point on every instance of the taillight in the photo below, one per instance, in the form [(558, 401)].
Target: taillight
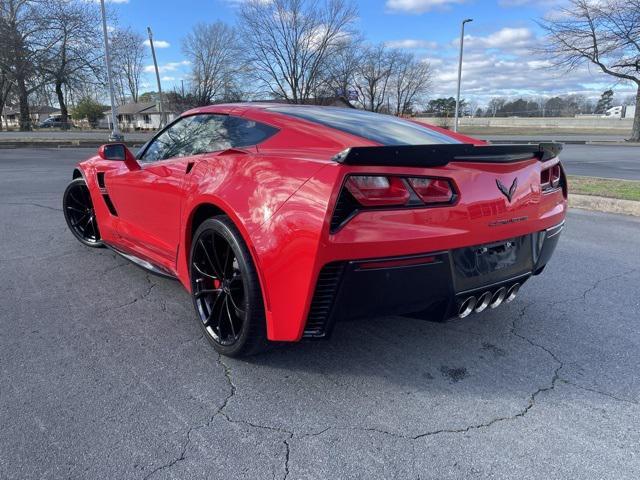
[(551, 178), (378, 190), (432, 190), (555, 174), (363, 192)]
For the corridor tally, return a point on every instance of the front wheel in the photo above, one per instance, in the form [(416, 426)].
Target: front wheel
[(80, 214), (225, 289)]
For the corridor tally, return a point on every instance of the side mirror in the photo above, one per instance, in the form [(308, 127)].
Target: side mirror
[(118, 152)]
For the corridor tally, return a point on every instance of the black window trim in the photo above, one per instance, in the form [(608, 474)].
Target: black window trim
[(140, 153)]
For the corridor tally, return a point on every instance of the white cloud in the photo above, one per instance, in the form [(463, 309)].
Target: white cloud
[(535, 3), (504, 63), (167, 67), (157, 43), (419, 6), (505, 38), (410, 43)]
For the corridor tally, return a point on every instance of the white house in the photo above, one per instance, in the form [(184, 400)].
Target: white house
[(621, 111), (138, 116), (630, 111)]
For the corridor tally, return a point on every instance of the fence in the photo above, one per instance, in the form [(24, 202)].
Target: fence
[(577, 123)]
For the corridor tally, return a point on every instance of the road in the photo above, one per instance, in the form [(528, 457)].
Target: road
[(67, 136), (595, 160), (104, 372), (606, 161)]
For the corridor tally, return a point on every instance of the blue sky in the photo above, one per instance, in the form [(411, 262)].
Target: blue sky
[(498, 59)]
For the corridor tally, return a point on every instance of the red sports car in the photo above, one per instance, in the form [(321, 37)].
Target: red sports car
[(281, 219)]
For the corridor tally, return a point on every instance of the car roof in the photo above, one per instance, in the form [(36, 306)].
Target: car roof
[(266, 112)]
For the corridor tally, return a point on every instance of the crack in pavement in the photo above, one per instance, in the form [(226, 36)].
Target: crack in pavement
[(220, 412), (606, 279), (600, 392), (134, 300), (292, 435), (286, 458), (176, 460), (583, 295), (32, 204)]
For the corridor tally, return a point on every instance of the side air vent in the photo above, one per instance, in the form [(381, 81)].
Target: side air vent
[(105, 194), (318, 321), (346, 207), (110, 206)]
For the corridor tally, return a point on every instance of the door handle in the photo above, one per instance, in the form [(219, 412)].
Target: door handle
[(189, 167)]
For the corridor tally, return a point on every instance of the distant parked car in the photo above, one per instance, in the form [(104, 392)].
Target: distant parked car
[(54, 122)]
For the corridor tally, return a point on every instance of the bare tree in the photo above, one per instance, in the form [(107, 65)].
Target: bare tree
[(215, 60), (373, 77), (74, 57), (410, 81), (129, 54), (6, 84), (605, 33), (5, 90), (342, 66), (289, 42), (24, 44), (496, 104)]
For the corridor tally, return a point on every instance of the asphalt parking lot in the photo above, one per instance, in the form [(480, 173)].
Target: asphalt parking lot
[(104, 372)]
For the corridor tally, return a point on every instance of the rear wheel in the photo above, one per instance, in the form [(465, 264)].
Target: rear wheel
[(80, 214), (225, 289)]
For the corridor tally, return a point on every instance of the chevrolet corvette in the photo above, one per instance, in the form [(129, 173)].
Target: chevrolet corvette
[(281, 220)]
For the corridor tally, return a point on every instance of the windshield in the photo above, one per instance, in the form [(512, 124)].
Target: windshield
[(384, 129)]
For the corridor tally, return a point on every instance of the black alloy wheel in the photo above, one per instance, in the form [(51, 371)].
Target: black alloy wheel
[(225, 289), (80, 214)]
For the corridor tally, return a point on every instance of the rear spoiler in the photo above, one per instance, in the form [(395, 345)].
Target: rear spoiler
[(441, 154)]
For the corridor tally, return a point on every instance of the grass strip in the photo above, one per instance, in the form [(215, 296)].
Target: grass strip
[(605, 187)]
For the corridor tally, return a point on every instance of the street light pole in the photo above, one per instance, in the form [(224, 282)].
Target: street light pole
[(155, 65), (455, 123), (115, 136)]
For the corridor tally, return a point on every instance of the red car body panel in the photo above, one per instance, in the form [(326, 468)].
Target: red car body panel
[(281, 193)]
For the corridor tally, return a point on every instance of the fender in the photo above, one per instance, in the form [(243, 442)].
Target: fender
[(77, 173), (190, 207)]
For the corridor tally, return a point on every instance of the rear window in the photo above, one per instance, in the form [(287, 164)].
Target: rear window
[(384, 129)]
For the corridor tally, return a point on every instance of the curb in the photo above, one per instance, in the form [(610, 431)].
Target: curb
[(597, 143), (61, 145), (604, 204), (609, 143)]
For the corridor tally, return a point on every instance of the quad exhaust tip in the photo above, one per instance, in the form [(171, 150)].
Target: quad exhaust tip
[(512, 292), (488, 299), (498, 297), (483, 302), (467, 307)]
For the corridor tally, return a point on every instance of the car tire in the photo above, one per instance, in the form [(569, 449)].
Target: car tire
[(225, 289), (80, 214)]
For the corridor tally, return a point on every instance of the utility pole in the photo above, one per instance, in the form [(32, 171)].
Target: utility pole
[(115, 136), (455, 123), (155, 64)]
